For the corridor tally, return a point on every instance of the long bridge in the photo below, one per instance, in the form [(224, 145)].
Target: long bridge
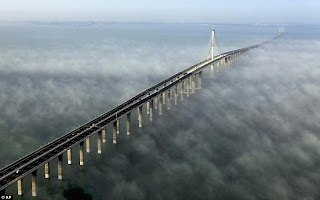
[(154, 97)]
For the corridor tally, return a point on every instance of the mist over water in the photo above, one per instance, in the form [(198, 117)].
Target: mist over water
[(250, 133)]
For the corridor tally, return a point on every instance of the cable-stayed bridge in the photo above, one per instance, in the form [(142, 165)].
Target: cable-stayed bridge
[(180, 84)]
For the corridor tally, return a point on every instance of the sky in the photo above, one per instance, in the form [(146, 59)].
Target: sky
[(227, 11)]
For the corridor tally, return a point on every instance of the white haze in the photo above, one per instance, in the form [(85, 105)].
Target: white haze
[(250, 133)]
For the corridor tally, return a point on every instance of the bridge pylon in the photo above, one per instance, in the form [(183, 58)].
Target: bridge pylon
[(212, 44)]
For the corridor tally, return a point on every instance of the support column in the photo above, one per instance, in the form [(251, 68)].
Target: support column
[(188, 85), (81, 149), (226, 62), (218, 66), (182, 90), (114, 132), (169, 101), (156, 101), (104, 135), (34, 183), (69, 153), (88, 145), (128, 123), (148, 106), (176, 95), (47, 170), (19, 183), (193, 78), (60, 166), (171, 90), (118, 126), (164, 96), (200, 80), (99, 142), (140, 116), (212, 71), (151, 109), (160, 104)]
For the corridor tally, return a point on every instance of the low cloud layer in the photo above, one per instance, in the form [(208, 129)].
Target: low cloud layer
[(250, 133)]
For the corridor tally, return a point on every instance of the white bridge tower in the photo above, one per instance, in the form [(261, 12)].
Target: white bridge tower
[(212, 44)]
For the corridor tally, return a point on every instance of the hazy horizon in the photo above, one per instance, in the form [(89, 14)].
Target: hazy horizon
[(231, 11), (160, 22)]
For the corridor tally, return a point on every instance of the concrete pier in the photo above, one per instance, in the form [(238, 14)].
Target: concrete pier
[(218, 66), (226, 63), (104, 135), (212, 71), (99, 142), (69, 153), (81, 149), (200, 80), (171, 91), (128, 123), (151, 109), (160, 104), (148, 106), (88, 145), (193, 78), (19, 184), (118, 126), (222, 65), (60, 167), (114, 132), (47, 170), (168, 100), (156, 101), (176, 95), (188, 85), (182, 90), (140, 116), (34, 183), (164, 96)]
